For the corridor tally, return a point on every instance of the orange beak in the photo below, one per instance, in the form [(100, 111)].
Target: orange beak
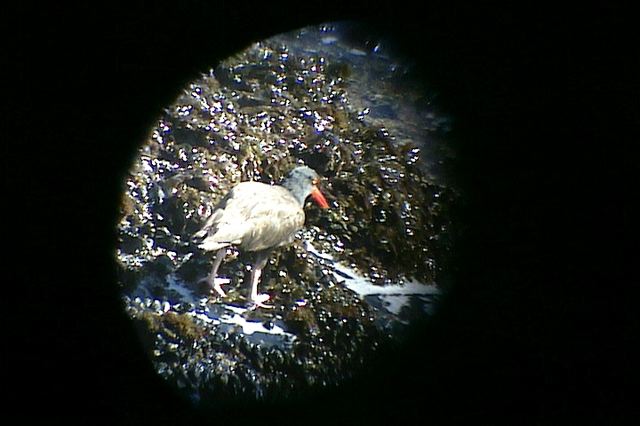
[(319, 198)]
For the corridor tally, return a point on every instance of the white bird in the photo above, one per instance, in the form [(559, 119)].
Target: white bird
[(258, 217)]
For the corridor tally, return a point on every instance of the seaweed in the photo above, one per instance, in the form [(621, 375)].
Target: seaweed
[(254, 117)]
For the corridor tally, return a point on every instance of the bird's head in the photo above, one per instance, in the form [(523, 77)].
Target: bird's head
[(302, 182)]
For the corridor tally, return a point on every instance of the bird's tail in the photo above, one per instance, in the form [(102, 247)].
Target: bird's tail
[(209, 245), (205, 240)]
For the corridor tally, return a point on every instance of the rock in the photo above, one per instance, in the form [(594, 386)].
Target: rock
[(280, 102)]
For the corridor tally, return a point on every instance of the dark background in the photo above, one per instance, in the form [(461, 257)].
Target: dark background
[(536, 329)]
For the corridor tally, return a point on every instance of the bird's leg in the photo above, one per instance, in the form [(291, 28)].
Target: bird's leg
[(213, 280), (256, 272)]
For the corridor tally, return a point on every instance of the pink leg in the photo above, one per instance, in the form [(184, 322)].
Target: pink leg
[(256, 272), (212, 279)]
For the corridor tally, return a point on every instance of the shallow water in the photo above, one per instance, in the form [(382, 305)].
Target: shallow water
[(356, 275)]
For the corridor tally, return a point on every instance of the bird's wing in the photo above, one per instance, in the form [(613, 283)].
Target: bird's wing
[(224, 226), (274, 225), (253, 215)]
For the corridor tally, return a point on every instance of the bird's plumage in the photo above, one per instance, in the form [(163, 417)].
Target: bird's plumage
[(257, 217), (254, 216)]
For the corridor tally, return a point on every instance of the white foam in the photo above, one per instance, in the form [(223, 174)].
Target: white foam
[(207, 319), (236, 309), (364, 287), (250, 327), (395, 303), (393, 296)]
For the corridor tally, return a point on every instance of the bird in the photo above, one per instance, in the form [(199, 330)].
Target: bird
[(258, 217)]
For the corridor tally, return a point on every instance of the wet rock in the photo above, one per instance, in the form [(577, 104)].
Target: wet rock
[(279, 103)]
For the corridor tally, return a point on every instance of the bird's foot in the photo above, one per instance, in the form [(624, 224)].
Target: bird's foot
[(215, 284), (259, 299)]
